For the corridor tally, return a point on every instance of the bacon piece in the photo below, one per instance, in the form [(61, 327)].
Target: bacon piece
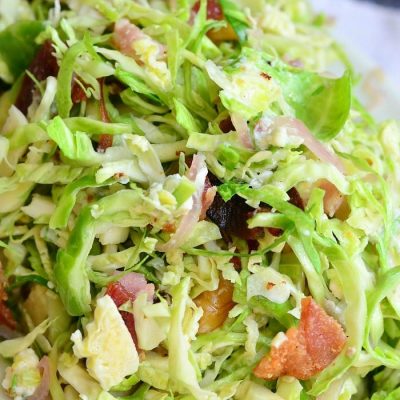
[(127, 289), (105, 141), (125, 34), (237, 263), (78, 95), (43, 65), (307, 349), (6, 316), (214, 10), (216, 305), (169, 227)]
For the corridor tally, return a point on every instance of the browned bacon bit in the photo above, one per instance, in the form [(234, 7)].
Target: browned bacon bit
[(275, 231), (270, 285), (216, 305), (266, 76), (226, 125), (78, 95), (127, 289), (307, 349), (237, 264), (214, 10), (6, 317), (105, 140), (43, 65), (169, 228)]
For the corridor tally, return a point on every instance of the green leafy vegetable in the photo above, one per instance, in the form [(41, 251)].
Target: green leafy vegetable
[(323, 104), (18, 46)]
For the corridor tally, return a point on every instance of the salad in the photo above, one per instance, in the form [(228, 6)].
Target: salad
[(193, 206)]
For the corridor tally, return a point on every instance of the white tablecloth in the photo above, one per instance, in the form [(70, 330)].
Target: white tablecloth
[(374, 29), (371, 34)]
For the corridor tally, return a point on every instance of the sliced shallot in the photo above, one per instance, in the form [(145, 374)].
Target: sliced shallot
[(197, 173), (242, 129), (42, 391), (297, 128)]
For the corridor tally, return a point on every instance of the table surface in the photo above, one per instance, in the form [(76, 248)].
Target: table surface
[(389, 3), (372, 41)]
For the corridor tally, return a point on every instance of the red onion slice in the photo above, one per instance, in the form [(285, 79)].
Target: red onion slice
[(243, 130), (42, 391), (8, 333), (207, 199), (333, 199), (197, 173), (297, 128)]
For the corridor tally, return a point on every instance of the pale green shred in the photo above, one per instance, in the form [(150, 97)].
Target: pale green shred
[(207, 175)]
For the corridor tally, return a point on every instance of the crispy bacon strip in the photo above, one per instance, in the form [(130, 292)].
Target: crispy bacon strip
[(6, 316), (307, 349), (78, 95), (128, 288), (216, 305)]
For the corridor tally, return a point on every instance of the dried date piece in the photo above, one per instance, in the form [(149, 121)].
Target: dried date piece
[(43, 65), (216, 305)]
